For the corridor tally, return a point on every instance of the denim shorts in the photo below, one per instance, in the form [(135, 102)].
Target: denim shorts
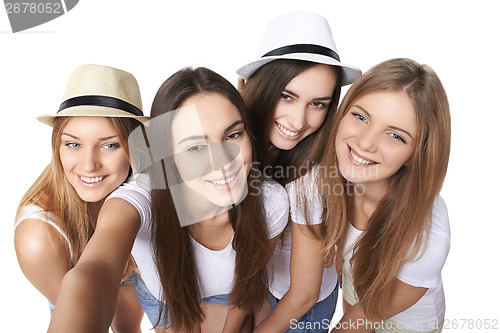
[(132, 279), (317, 319), (151, 304)]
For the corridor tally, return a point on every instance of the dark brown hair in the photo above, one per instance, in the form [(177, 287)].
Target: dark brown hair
[(261, 94), (174, 253), (396, 231)]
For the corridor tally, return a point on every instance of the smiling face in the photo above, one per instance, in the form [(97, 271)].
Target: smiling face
[(376, 137), (303, 106), (92, 157), (212, 150)]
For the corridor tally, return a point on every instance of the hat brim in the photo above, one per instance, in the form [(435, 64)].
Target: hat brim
[(89, 111), (351, 73)]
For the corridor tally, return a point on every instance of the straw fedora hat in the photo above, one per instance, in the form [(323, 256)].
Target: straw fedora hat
[(301, 36), (99, 91)]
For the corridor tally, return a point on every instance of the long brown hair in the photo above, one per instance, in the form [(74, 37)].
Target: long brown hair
[(396, 231), (54, 194), (261, 95), (174, 253)]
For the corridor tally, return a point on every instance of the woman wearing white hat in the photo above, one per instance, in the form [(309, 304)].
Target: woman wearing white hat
[(57, 216), (292, 92)]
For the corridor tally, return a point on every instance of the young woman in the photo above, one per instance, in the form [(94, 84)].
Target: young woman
[(57, 216), (292, 93), (388, 229), (202, 247)]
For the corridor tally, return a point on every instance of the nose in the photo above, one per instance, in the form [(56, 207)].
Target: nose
[(91, 161), (223, 154), (297, 118), (367, 140)]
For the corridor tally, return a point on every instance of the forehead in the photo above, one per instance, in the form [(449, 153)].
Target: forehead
[(89, 127), (317, 80), (204, 115)]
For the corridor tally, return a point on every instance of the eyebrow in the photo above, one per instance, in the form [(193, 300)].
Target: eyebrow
[(326, 98), (200, 137), (390, 126), (100, 139)]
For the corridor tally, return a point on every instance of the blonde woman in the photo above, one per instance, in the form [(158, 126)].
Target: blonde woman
[(388, 229), (57, 215)]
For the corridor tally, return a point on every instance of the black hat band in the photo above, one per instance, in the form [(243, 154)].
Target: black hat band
[(304, 48), (105, 101)]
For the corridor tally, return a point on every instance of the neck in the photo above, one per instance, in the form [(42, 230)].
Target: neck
[(214, 233), (94, 208), (366, 200)]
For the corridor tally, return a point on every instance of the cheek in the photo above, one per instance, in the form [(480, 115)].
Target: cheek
[(316, 118)]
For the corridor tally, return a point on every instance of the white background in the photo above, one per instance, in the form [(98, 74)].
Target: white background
[(154, 38)]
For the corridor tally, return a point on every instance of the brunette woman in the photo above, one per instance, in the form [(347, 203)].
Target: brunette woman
[(292, 93)]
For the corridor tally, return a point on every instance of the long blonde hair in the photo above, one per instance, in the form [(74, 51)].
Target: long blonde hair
[(55, 195), (396, 231)]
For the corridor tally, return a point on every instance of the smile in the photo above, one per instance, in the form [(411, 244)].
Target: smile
[(359, 159), (285, 131), (91, 180), (224, 181)]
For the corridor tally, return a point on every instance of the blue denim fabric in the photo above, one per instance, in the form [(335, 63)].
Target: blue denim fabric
[(151, 305), (317, 319)]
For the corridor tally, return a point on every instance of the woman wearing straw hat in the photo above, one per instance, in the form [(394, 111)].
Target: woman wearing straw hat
[(57, 216), (292, 92)]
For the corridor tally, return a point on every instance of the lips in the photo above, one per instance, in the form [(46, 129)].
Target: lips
[(359, 159), (287, 132), (91, 181), (225, 182)]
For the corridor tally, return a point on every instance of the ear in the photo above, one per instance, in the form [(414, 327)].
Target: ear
[(241, 84)]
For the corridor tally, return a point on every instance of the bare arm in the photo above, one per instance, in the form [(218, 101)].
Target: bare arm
[(306, 269), (402, 298), (87, 298)]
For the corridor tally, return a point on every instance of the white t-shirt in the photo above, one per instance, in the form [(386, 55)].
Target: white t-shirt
[(215, 268), (423, 271), (281, 258)]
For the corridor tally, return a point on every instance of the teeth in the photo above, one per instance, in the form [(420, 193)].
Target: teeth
[(285, 131), (224, 181), (91, 180), (360, 160)]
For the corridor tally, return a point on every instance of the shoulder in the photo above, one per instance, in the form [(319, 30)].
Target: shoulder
[(440, 223), (37, 241), (276, 206), (135, 191)]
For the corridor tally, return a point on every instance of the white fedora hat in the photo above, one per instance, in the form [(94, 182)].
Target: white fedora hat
[(301, 36), (99, 91)]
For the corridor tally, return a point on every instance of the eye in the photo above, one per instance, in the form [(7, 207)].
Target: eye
[(286, 97), (111, 146), (360, 117), (319, 105), (195, 148), (234, 135), (72, 145), (397, 137)]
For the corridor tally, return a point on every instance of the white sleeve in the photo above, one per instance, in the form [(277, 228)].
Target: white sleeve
[(425, 269), (136, 192), (275, 202), (305, 188)]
